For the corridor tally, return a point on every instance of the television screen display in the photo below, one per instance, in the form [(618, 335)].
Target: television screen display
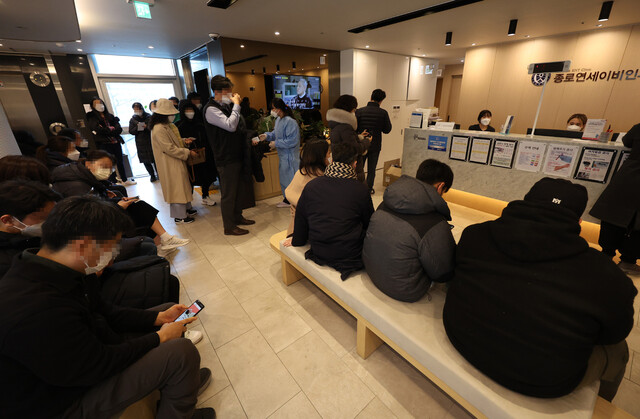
[(299, 92)]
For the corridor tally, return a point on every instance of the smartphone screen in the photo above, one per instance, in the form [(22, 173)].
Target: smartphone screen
[(191, 311)]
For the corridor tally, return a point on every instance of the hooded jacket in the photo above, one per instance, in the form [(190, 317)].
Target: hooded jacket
[(143, 137), (409, 242), (11, 245), (530, 299), (75, 180), (343, 127)]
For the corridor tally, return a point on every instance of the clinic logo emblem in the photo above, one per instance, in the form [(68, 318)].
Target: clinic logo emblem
[(540, 79)]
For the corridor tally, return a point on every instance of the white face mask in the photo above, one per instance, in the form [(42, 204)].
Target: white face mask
[(102, 173), (199, 105), (84, 143), (573, 127), (189, 115), (74, 155), (274, 113), (34, 230), (485, 121), (139, 113), (105, 259), (226, 99), (172, 118), (100, 107)]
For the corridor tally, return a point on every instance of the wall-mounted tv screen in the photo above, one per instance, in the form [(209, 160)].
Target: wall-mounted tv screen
[(299, 92)]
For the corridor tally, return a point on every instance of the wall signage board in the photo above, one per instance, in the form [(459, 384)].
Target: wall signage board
[(623, 157), (480, 150), (581, 76), (437, 142), (504, 152), (560, 160), (459, 148), (530, 154), (595, 164)]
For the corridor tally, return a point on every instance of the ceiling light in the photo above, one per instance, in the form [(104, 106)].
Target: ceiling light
[(599, 25), (79, 49), (241, 46), (144, 53), (447, 40), (512, 27), (473, 45), (324, 55), (59, 44), (78, 41), (462, 61), (605, 11), (293, 65), (366, 46), (1, 45), (424, 55), (150, 46), (277, 33), (264, 69), (527, 36), (253, 71)]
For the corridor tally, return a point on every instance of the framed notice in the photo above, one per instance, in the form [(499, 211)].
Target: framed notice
[(416, 120), (560, 160), (480, 150), (437, 142), (459, 148), (595, 164), (530, 155), (623, 158), (504, 152)]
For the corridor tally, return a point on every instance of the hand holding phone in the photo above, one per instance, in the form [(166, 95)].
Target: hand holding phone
[(192, 311)]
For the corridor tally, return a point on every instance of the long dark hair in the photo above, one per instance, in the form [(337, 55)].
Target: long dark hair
[(313, 158), (346, 103), (279, 104), (22, 167), (57, 143), (157, 118), (106, 111)]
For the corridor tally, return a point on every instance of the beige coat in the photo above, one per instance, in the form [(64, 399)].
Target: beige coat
[(171, 161), (293, 192)]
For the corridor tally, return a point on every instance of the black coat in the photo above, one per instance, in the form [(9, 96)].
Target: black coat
[(619, 203), (342, 125), (11, 245), (333, 216), (530, 299), (205, 173), (476, 127), (376, 121), (55, 159), (143, 138), (62, 338), (75, 180), (99, 126)]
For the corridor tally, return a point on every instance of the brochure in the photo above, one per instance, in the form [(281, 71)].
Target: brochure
[(503, 153), (560, 160), (459, 148), (595, 164), (530, 154)]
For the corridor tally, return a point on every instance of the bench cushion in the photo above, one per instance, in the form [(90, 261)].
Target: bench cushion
[(417, 328)]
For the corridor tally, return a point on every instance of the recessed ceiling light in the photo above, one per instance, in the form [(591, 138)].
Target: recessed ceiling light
[(241, 46), (79, 49), (277, 33), (150, 46), (462, 61), (317, 67), (447, 39), (424, 55), (59, 44), (366, 46), (324, 55), (473, 45), (1, 45), (599, 25), (31, 64), (527, 36), (605, 11), (78, 41)]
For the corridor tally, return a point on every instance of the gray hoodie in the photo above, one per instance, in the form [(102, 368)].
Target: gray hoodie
[(409, 242)]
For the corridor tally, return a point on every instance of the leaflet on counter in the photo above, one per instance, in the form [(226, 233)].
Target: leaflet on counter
[(560, 160), (459, 148), (503, 153), (480, 149), (595, 164), (530, 154)]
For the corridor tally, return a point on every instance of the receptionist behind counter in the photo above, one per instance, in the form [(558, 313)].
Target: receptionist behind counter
[(576, 122), (484, 119)]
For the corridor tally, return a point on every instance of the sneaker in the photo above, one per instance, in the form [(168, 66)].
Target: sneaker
[(163, 253), (192, 211), (129, 182), (153, 179), (282, 205), (204, 413), (194, 336), (187, 220), (209, 201), (629, 268), (174, 241)]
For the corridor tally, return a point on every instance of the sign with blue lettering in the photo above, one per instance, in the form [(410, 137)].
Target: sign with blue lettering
[(437, 143)]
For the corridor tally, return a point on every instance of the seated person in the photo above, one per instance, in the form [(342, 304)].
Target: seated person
[(58, 151), (22, 167), (89, 369), (81, 144), (484, 119), (92, 177), (333, 214), (576, 122), (24, 205), (409, 242), (532, 306)]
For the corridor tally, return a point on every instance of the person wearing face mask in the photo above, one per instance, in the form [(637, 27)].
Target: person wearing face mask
[(24, 205), (152, 106), (196, 99), (576, 122), (171, 154), (285, 138), (203, 174), (484, 121), (82, 144), (138, 126), (58, 151), (99, 358), (106, 130)]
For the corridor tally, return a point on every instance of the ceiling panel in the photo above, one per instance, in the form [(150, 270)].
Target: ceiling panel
[(39, 20)]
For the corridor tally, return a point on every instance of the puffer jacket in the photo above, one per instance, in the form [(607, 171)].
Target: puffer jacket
[(376, 121), (409, 242)]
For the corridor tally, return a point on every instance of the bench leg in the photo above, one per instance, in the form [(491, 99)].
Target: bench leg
[(367, 341), (289, 273)]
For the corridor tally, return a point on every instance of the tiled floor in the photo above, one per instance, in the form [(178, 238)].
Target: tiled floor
[(289, 352)]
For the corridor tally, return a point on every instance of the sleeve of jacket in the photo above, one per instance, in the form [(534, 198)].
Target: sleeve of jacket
[(125, 319), (300, 224), (115, 122), (271, 135), (367, 210), (615, 303), (162, 139), (386, 127), (291, 136), (98, 128), (133, 126), (633, 133), (437, 251)]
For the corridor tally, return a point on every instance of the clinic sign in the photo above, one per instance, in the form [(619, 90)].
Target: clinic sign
[(587, 75)]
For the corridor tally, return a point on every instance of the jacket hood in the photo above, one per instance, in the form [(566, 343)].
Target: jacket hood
[(408, 195), (338, 116), (537, 232)]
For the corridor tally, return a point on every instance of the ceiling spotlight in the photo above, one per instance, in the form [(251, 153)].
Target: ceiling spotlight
[(78, 41), (512, 27), (473, 45), (527, 36), (150, 46), (277, 33), (79, 49), (599, 25), (605, 11), (366, 46), (242, 46), (59, 44), (447, 41), (1, 45), (424, 55), (324, 55), (31, 64), (462, 61), (293, 65)]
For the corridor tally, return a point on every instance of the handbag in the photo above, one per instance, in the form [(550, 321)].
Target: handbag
[(200, 157)]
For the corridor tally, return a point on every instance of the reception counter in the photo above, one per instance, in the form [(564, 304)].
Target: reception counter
[(504, 167)]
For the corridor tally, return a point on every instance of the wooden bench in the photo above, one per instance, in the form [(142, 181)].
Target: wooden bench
[(415, 331)]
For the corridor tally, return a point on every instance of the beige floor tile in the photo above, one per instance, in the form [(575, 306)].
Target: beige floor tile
[(277, 321), (221, 254), (226, 404), (375, 410), (258, 377), (634, 370), (633, 340), (334, 390), (298, 407), (199, 278), (223, 318), (258, 254), (264, 232), (292, 294), (628, 398), (243, 281), (209, 359)]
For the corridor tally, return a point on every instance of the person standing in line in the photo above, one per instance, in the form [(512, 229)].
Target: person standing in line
[(195, 99), (171, 156), (139, 127), (106, 130), (152, 106), (375, 120), (285, 138), (226, 132)]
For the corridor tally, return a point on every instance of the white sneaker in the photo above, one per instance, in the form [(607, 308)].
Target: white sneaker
[(163, 253), (173, 242), (282, 205), (209, 201), (130, 182), (194, 336)]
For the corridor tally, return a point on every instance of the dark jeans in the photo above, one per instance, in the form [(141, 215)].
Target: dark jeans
[(625, 240), (607, 364), (230, 197), (116, 150), (150, 168), (371, 159)]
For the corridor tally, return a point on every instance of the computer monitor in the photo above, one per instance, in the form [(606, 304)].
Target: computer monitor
[(556, 133)]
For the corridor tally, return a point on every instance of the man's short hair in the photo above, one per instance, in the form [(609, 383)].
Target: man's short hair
[(20, 198), (433, 171), (378, 95), (345, 153), (220, 83), (93, 155), (80, 216), (193, 95)]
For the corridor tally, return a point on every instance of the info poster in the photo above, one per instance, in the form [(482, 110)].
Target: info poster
[(480, 148), (530, 155), (595, 164), (459, 148), (437, 143), (560, 160), (503, 153)]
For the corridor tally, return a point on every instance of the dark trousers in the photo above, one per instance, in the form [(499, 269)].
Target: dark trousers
[(371, 159), (607, 364), (230, 197), (116, 150), (625, 240), (150, 168)]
